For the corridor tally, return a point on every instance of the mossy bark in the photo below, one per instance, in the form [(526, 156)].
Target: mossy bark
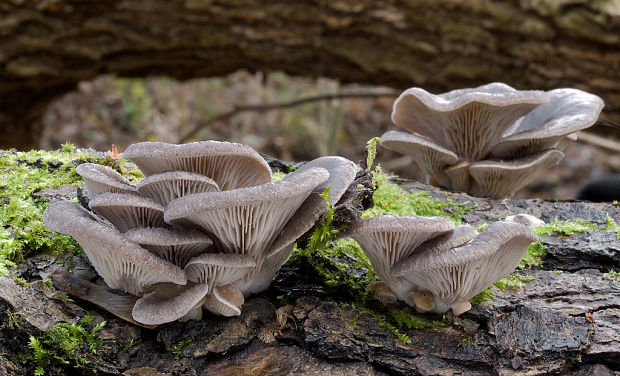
[(48, 46)]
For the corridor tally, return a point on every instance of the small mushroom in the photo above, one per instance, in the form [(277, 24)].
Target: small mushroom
[(122, 263), (174, 246), (102, 179), (127, 211), (388, 239), (216, 269), (225, 301), (230, 165), (167, 186), (525, 219), (454, 272)]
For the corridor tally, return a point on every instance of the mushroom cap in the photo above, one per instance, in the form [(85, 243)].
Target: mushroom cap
[(123, 264), (458, 120), (174, 246), (388, 239), (127, 211), (525, 219), (168, 302), (259, 279), (101, 179), (167, 186), (230, 165), (568, 111), (432, 158), (458, 274), (341, 173), (225, 301), (246, 220), (216, 269), (499, 179)]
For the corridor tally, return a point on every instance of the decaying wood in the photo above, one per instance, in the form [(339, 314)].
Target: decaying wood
[(48, 46)]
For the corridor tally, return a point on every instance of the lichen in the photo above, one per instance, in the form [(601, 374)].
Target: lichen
[(22, 175)]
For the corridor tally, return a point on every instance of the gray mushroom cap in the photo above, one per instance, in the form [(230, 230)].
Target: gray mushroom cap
[(102, 179), (389, 239), (127, 211), (455, 275), (172, 245), (341, 173), (230, 165), (167, 186), (217, 269), (246, 220), (457, 120), (225, 301), (168, 302), (568, 111), (122, 263)]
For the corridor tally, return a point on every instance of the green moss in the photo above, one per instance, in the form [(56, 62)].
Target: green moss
[(534, 256), (22, 175), (389, 198), (407, 317), (564, 227), (371, 152), (613, 273), (611, 225), (67, 343), (514, 281), (482, 297), (177, 349), (277, 176)]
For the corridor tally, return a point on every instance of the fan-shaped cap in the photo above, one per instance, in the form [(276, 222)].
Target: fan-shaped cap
[(458, 120), (499, 179), (231, 165), (127, 211), (568, 111), (174, 246), (247, 220), (525, 219), (388, 239), (341, 173), (432, 158), (168, 302), (457, 274), (122, 263), (101, 179), (217, 269), (225, 301), (167, 186)]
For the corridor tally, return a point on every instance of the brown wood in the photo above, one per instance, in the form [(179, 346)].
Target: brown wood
[(48, 46)]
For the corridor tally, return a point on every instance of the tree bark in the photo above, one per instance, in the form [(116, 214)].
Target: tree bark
[(48, 46)]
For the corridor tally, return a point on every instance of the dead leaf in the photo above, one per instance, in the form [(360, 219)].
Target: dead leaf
[(589, 317), (114, 154)]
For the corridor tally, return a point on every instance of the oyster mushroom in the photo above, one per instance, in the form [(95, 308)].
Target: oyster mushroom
[(102, 179), (456, 267), (122, 263), (230, 165), (167, 186), (465, 138), (388, 239), (127, 211)]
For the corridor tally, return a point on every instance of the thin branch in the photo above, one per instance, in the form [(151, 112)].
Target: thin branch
[(264, 107)]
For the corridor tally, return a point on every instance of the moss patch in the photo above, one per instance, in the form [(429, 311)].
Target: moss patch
[(564, 227), (22, 175)]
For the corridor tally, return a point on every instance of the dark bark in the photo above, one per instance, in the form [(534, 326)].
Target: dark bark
[(563, 322), (48, 46)]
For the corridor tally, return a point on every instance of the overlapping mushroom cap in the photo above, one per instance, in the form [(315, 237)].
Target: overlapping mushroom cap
[(433, 265), (204, 228), (491, 140)]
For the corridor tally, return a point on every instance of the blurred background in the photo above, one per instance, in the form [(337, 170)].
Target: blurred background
[(111, 110)]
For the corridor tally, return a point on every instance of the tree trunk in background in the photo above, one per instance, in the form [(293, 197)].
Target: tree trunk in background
[(46, 47)]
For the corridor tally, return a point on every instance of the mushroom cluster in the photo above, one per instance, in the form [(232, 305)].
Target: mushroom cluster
[(433, 265), (205, 228), (488, 141)]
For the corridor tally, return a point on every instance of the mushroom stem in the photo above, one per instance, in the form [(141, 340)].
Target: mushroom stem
[(381, 292), (460, 307), (424, 300)]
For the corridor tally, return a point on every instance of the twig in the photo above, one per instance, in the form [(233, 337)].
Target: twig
[(264, 107), (602, 142)]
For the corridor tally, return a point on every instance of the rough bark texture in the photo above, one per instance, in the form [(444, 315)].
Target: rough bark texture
[(48, 46), (564, 322)]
